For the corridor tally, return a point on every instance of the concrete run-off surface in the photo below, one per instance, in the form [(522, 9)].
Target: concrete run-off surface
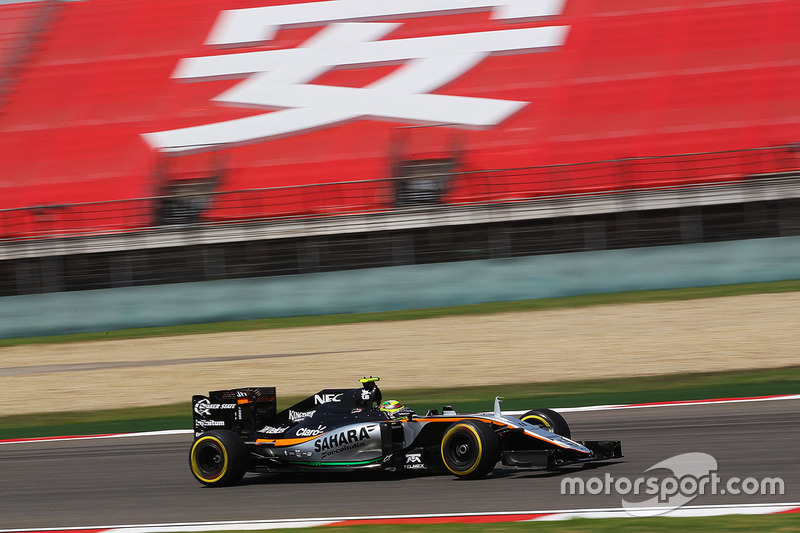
[(741, 332)]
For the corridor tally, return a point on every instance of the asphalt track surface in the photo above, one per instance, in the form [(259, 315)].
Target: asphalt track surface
[(146, 480)]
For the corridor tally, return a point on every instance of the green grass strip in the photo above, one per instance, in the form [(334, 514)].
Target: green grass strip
[(416, 314), (670, 387)]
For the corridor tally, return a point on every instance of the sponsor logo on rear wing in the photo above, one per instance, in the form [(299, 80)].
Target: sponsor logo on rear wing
[(210, 414)]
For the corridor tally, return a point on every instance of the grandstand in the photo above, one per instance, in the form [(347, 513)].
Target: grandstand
[(573, 126)]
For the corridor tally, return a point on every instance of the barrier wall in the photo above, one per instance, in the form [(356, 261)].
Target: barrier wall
[(404, 287)]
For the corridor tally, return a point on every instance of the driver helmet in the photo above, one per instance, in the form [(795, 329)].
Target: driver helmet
[(391, 406)]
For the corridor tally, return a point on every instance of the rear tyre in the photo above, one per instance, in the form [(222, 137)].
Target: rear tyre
[(470, 449), (219, 458), (549, 420)]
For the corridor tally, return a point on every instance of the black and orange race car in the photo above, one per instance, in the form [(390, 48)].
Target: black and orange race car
[(240, 430)]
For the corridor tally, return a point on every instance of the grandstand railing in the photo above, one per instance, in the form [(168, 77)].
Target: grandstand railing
[(464, 188)]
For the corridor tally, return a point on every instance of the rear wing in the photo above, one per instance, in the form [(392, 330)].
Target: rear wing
[(243, 411)]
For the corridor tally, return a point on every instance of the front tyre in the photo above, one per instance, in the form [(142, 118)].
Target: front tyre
[(470, 449), (549, 420), (218, 458)]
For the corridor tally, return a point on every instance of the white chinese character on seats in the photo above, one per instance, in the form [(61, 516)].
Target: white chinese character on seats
[(282, 79)]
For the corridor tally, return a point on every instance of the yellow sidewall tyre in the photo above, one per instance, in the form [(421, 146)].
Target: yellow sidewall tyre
[(218, 458), (549, 420), (470, 449)]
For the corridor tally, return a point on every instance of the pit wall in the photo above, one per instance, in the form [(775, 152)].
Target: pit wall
[(403, 287)]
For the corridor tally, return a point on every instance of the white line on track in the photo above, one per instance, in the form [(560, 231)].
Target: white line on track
[(96, 437), (682, 403), (679, 403)]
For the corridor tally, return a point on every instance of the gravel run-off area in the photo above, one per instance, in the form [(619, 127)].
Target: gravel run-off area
[(738, 332)]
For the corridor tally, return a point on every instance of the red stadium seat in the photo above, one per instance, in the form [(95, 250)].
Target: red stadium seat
[(634, 78)]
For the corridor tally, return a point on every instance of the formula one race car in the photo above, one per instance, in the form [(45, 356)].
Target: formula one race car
[(239, 431)]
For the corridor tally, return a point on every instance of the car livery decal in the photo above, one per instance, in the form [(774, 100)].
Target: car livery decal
[(285, 442)]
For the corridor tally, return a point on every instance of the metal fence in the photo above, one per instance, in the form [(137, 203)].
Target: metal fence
[(50, 270), (457, 189)]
